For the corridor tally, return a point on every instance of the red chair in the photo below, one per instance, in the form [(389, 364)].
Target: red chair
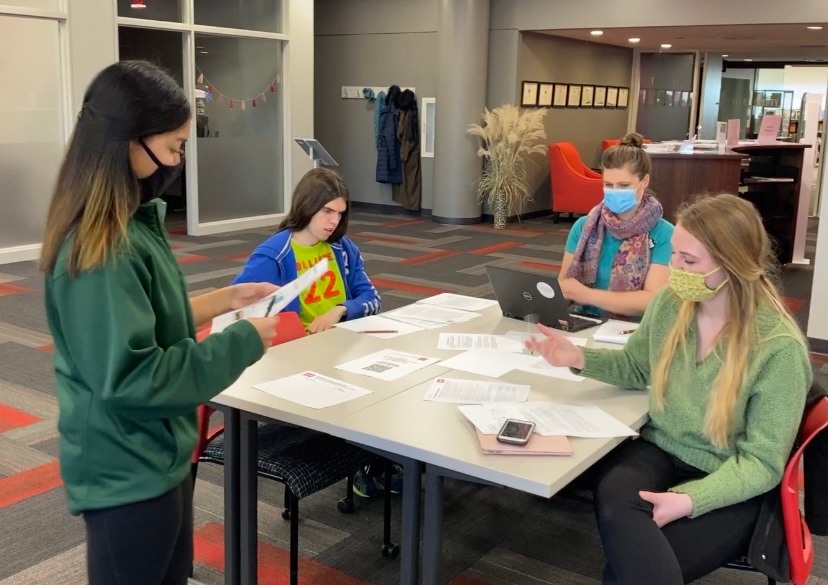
[(798, 539), (575, 188)]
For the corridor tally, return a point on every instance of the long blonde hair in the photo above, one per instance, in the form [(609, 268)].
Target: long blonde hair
[(731, 230)]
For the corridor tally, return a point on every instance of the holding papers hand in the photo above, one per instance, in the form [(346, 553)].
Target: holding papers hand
[(275, 302)]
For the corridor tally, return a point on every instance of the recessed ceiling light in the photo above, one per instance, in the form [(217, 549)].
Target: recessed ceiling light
[(748, 59), (203, 52), (666, 46), (725, 55), (814, 27), (634, 40), (596, 33)]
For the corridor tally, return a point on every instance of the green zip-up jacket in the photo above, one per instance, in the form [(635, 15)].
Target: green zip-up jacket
[(129, 372)]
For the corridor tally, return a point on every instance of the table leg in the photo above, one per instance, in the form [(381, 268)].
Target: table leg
[(249, 500), (432, 526), (231, 497), (410, 529)]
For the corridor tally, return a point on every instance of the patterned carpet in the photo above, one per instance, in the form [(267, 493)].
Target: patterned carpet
[(492, 536)]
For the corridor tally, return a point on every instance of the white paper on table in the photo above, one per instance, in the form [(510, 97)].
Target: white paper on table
[(485, 362), (387, 364), (481, 419), (523, 336), (422, 312), (274, 302), (614, 331), (365, 325), (462, 302), (476, 341), (312, 390), (552, 418), (475, 391), (543, 368)]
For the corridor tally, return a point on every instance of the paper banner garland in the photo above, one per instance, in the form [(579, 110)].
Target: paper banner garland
[(211, 93)]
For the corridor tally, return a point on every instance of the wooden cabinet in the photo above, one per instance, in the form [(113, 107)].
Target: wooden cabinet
[(771, 180)]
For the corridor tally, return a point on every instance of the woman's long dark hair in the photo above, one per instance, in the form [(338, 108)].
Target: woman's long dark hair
[(316, 189), (96, 191)]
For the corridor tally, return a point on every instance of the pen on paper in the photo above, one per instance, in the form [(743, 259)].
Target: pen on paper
[(270, 306), (627, 332), (380, 331)]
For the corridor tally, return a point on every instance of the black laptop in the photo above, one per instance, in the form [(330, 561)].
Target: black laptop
[(535, 298)]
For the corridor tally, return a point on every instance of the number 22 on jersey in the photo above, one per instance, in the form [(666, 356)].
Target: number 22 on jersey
[(330, 291)]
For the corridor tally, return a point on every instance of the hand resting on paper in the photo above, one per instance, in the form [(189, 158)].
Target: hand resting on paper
[(556, 348), (266, 326), (328, 320)]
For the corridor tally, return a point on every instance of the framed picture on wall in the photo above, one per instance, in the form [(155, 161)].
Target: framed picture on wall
[(612, 97), (545, 94), (529, 96), (677, 101), (587, 96), (623, 97), (600, 96), (559, 96), (573, 100), (685, 99)]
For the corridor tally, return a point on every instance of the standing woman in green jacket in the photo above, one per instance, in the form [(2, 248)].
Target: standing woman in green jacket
[(129, 372), (729, 371)]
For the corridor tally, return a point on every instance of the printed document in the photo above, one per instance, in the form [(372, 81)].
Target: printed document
[(467, 341), (312, 390), (475, 391), (488, 362), (274, 302), (543, 368), (429, 316), (388, 364), (462, 302)]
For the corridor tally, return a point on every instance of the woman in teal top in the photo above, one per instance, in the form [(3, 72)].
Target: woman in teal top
[(616, 256), (729, 372)]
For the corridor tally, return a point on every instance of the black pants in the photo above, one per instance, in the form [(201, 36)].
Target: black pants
[(145, 543), (638, 551)]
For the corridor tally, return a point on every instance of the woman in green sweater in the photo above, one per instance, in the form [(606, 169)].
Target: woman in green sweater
[(728, 369), (129, 373)]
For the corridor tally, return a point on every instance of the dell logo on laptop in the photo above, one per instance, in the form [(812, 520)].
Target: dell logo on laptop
[(527, 296)]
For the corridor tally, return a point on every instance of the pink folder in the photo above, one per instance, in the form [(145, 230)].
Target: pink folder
[(537, 445)]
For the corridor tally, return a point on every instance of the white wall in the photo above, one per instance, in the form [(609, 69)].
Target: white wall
[(806, 80), (299, 24), (769, 79)]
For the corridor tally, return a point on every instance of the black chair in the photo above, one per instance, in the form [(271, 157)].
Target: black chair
[(307, 461)]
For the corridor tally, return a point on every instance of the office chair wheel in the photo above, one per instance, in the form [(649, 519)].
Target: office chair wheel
[(390, 551), (286, 514), (345, 505)]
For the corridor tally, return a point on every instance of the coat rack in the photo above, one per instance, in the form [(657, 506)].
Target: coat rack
[(354, 92)]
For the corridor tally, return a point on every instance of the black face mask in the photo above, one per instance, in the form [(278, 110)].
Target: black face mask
[(155, 185)]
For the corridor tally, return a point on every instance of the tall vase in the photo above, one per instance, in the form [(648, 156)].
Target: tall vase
[(500, 213)]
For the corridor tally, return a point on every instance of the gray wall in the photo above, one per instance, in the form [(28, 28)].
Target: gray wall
[(552, 59), (370, 43), (711, 92)]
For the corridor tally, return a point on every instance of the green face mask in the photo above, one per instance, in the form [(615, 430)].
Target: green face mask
[(690, 286)]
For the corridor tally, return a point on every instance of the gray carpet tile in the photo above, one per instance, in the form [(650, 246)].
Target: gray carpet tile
[(27, 366)]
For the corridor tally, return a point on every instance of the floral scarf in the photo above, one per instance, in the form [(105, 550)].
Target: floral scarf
[(631, 263)]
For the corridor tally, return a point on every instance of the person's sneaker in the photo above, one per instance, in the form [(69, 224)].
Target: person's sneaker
[(396, 480), (364, 486)]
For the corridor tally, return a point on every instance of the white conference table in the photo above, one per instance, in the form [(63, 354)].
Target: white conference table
[(395, 421)]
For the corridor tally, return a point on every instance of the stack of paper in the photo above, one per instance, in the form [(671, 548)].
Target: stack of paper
[(615, 331), (388, 364), (429, 316), (462, 302), (550, 418), (312, 390), (379, 326), (475, 391), (537, 445), (467, 341)]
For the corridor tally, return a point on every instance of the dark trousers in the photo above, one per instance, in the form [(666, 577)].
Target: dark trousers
[(638, 551), (145, 543)]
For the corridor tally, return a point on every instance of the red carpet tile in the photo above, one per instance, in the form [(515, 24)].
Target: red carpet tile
[(493, 248), (541, 265), (11, 418), (238, 257), (12, 289), (179, 231), (191, 258), (47, 347), (794, 304), (274, 562), (403, 222), (30, 483), (414, 288), (426, 258), (819, 358), (509, 232), (390, 239)]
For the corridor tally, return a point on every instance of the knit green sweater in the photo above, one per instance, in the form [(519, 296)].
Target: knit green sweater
[(766, 415)]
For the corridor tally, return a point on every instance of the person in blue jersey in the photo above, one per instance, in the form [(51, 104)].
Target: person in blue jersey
[(315, 228), (617, 256)]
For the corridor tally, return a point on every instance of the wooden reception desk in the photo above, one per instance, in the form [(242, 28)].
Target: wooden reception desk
[(677, 178)]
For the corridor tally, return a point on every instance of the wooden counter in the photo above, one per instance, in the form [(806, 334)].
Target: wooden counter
[(677, 178)]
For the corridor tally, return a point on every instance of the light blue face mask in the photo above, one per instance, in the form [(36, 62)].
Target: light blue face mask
[(619, 200)]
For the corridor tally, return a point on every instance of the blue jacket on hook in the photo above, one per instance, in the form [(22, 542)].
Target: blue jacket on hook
[(389, 163)]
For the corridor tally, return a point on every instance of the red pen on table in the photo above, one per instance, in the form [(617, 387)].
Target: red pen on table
[(380, 331), (627, 332)]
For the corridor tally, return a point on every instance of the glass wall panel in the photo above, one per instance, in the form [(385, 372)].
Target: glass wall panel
[(261, 15), (31, 123), (169, 10), (239, 109)]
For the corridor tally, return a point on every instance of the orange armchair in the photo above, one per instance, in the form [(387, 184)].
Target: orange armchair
[(575, 188)]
